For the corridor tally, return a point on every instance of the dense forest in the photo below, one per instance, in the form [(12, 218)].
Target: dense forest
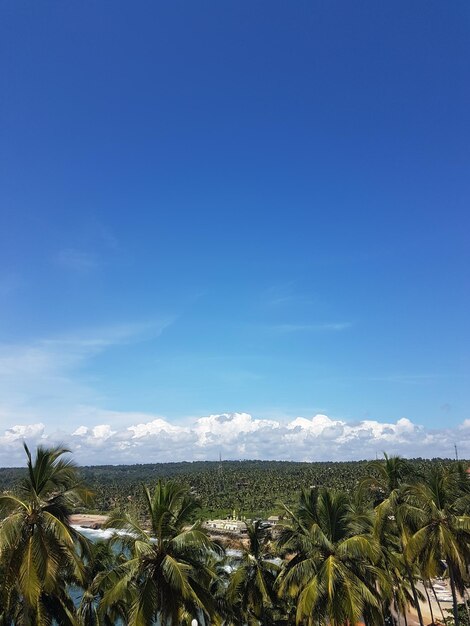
[(367, 549), (252, 488)]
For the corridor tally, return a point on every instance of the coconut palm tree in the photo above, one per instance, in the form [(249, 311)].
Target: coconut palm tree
[(396, 521), (39, 550), (399, 594), (444, 534), (167, 573), (102, 558), (386, 475), (251, 587), (222, 566), (333, 574)]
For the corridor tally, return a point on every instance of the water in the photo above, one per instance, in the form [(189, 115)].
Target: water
[(99, 534)]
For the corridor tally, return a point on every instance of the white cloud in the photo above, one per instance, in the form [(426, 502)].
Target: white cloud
[(228, 428), (20, 433), (41, 379), (155, 427), (80, 431), (141, 438)]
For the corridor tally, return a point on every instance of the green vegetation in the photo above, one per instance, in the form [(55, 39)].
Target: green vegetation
[(40, 553), (359, 541), (255, 489), (168, 572)]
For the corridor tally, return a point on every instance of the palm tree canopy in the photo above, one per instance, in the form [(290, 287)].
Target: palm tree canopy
[(168, 571), (251, 587), (39, 549), (387, 474), (444, 533), (333, 572)]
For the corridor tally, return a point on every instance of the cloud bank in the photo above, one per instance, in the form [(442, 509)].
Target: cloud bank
[(151, 439)]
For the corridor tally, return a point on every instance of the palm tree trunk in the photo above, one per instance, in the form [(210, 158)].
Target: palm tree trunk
[(454, 595), (438, 604), (415, 595), (429, 602)]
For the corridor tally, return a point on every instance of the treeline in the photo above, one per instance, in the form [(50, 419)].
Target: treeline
[(252, 488), (368, 554)]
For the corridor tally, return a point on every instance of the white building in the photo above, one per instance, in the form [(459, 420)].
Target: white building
[(229, 525)]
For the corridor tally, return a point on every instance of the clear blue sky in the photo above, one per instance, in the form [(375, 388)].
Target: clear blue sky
[(235, 206)]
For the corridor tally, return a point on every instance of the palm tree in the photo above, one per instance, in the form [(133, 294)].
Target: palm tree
[(395, 523), (167, 573), (333, 574), (400, 593), (222, 566), (102, 558), (39, 550), (386, 475), (251, 587), (445, 530)]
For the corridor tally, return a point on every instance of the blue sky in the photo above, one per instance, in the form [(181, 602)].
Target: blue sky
[(225, 207)]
